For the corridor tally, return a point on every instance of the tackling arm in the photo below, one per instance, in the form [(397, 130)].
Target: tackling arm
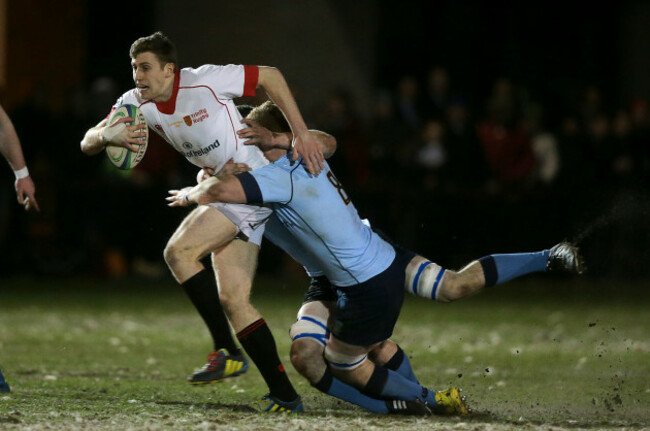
[(221, 188), (273, 82)]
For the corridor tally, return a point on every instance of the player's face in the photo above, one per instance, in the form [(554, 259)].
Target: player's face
[(153, 80)]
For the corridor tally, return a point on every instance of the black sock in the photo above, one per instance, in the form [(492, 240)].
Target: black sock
[(325, 382), (397, 359), (258, 342), (203, 293), (376, 383), (490, 271)]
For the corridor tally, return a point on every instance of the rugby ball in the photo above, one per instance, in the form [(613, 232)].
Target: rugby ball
[(122, 157)]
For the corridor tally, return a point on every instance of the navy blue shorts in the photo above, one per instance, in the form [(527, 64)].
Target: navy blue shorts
[(366, 313), (320, 289)]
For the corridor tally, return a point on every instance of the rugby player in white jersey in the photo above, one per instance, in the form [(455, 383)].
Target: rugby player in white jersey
[(13, 153), (370, 275), (192, 109)]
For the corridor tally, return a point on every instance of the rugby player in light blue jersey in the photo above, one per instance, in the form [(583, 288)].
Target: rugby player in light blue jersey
[(368, 273)]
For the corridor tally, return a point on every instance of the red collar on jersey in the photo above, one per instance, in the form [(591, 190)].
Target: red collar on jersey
[(169, 106)]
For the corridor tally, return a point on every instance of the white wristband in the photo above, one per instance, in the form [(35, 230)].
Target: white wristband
[(109, 132), (21, 173)]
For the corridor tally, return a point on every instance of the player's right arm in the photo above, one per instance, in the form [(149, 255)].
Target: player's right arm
[(118, 134), (221, 188), (12, 151), (266, 140)]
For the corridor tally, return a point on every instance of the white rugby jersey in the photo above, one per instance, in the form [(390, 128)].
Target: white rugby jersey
[(200, 119)]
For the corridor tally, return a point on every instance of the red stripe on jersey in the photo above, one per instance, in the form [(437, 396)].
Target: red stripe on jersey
[(169, 106), (252, 75), (109, 114)]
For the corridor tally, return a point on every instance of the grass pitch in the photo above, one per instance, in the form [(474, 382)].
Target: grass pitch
[(538, 354)]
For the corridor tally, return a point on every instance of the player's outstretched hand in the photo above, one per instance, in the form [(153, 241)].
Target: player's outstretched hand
[(232, 168), (307, 146), (256, 135), (121, 135), (180, 198), (25, 191)]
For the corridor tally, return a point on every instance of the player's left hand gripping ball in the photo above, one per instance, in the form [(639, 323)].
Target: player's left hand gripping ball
[(122, 157)]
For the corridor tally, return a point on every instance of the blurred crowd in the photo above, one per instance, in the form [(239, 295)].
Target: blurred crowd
[(456, 176), (451, 175)]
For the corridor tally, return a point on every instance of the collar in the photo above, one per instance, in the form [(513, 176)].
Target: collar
[(169, 106)]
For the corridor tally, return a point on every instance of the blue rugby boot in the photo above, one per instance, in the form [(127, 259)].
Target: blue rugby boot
[(565, 257), (271, 404), (221, 365)]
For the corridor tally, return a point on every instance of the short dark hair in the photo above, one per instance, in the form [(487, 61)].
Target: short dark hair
[(159, 45), (269, 115)]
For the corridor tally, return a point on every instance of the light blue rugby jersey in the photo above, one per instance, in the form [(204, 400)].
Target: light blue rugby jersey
[(279, 235), (321, 217)]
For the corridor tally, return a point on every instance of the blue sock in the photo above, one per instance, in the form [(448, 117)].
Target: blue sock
[(4, 386), (336, 388), (387, 384), (500, 268), (401, 365)]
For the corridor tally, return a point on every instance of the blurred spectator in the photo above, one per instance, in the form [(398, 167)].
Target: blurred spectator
[(431, 155), (340, 119), (600, 147), (623, 162), (467, 167), (506, 143), (409, 102), (591, 105), (438, 95), (387, 136), (640, 138), (544, 145)]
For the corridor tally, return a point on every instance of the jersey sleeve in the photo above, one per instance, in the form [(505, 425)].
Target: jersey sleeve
[(269, 184), (231, 81), (127, 97)]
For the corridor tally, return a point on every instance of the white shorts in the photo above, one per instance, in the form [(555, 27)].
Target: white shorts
[(249, 219)]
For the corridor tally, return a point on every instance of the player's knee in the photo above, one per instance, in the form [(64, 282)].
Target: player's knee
[(176, 253), (307, 358), (454, 286), (171, 255)]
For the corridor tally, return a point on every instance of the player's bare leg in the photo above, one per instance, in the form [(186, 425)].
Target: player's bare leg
[(429, 280), (202, 231), (309, 335), (235, 266)]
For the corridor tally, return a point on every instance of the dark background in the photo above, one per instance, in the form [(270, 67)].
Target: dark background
[(467, 174)]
